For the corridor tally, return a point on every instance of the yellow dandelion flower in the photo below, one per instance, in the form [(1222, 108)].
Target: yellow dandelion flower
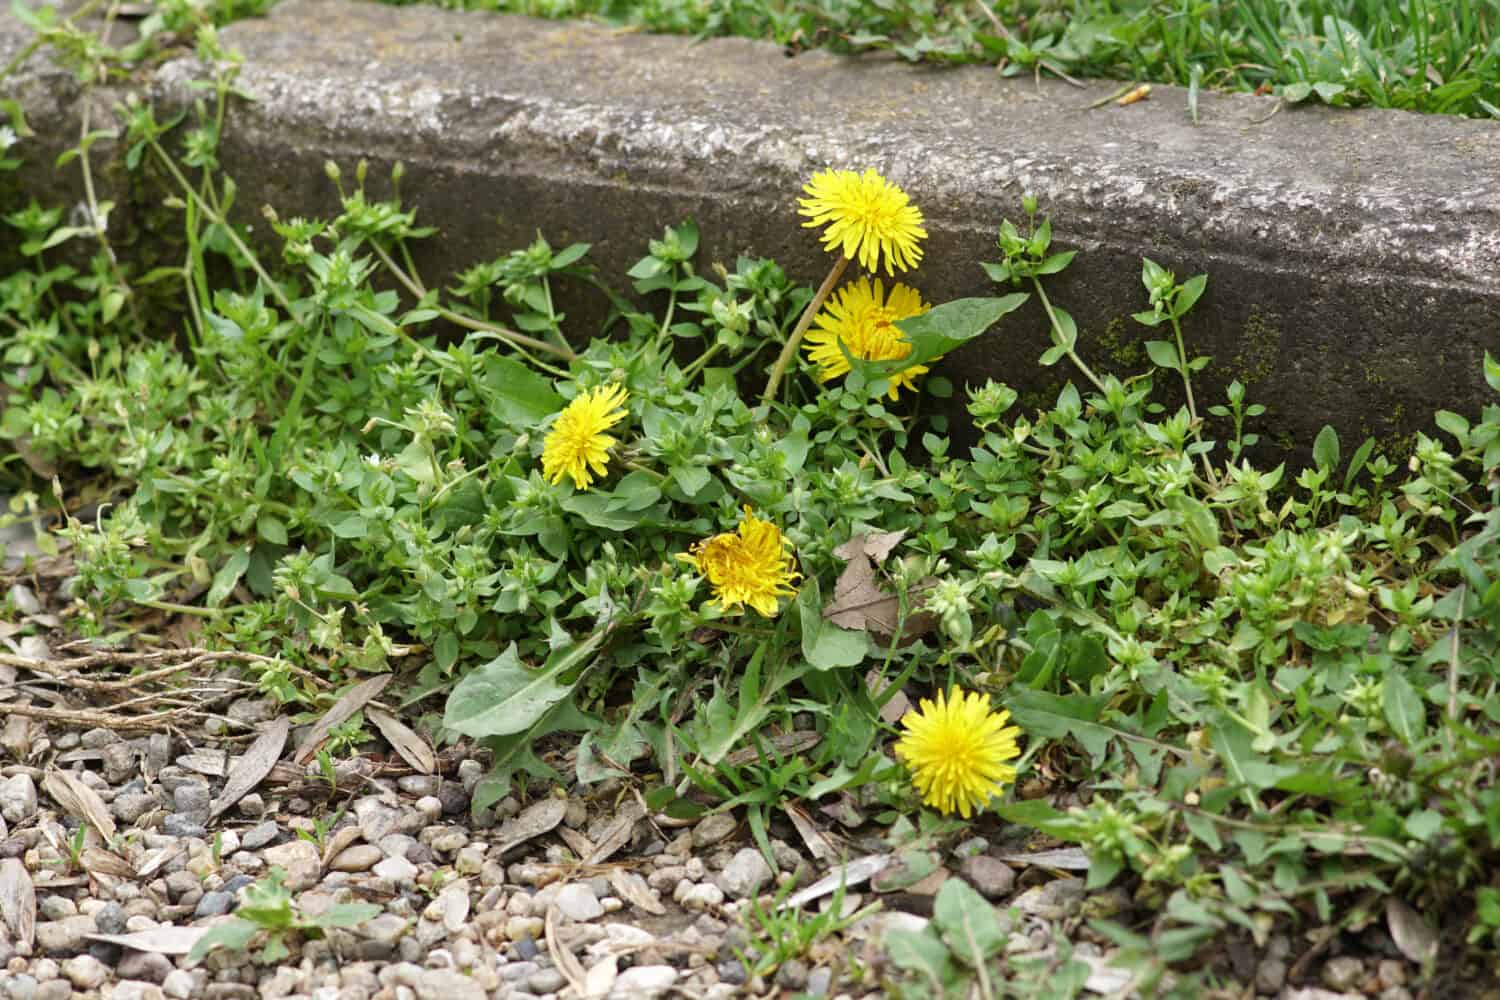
[(868, 218), (577, 446), (861, 316), (748, 566), (957, 749)]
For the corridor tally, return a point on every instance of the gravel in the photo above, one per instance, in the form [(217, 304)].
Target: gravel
[(476, 904)]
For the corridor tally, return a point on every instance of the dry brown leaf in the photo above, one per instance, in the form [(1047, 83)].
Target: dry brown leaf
[(784, 744), (856, 872), (412, 748), (894, 708), (1072, 859), (253, 766), (212, 763), (152, 862), (562, 957), (165, 940), (352, 701), (617, 834), (580, 845), (817, 844), (18, 901), (97, 861), (861, 604), (601, 978), (1414, 937), (338, 840), (633, 889), (537, 819), (81, 801)]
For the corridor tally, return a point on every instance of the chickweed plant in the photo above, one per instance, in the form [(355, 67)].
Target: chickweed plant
[(1257, 696)]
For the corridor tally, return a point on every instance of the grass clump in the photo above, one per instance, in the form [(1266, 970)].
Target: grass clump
[(1254, 695)]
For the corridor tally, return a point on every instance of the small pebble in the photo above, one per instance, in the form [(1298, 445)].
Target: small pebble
[(577, 901), (85, 972), (178, 985), (213, 904), (358, 858), (1342, 973), (17, 798), (396, 869), (259, 835)]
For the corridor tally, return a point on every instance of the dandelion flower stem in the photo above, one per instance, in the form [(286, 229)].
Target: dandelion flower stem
[(803, 322)]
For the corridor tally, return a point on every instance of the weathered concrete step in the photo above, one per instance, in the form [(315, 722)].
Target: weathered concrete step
[(1352, 255)]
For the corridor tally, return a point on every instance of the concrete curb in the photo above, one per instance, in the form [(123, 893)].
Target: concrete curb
[(1352, 255)]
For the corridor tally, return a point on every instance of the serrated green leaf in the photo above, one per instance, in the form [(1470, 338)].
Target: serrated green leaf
[(1056, 717), (518, 394), (228, 575), (235, 934), (922, 953), (346, 915), (505, 696), (825, 645), (942, 329), (1403, 708), (968, 923)]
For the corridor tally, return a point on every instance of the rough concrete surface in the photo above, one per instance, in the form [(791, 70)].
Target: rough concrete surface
[(1352, 255)]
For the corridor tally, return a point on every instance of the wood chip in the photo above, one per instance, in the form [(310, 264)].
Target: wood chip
[(537, 819), (352, 701), (253, 766), (633, 889), (166, 940), (79, 800), (563, 958), (18, 901), (412, 748)]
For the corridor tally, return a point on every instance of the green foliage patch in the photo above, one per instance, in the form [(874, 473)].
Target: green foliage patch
[(1253, 694)]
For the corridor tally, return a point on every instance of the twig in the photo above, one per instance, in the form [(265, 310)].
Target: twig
[(1127, 88), (1453, 655), (84, 718), (1270, 114)]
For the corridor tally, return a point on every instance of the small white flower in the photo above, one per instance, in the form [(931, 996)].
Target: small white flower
[(8, 137)]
